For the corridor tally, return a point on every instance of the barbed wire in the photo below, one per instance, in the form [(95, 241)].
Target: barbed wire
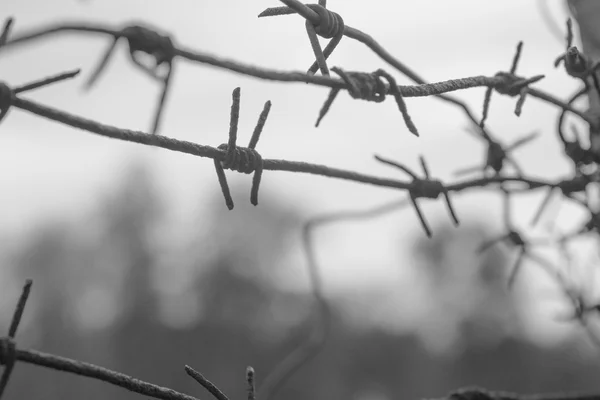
[(374, 86)]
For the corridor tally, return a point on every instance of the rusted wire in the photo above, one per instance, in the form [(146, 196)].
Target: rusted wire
[(325, 23), (9, 354), (143, 40), (5, 31), (423, 188), (183, 146), (7, 95), (423, 89), (8, 347), (208, 385), (568, 187), (241, 159), (497, 155), (251, 390), (369, 87), (511, 86)]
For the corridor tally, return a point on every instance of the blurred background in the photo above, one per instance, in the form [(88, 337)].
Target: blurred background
[(139, 267)]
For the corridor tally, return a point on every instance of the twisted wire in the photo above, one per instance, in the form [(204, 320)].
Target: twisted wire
[(240, 159), (426, 188), (146, 40), (369, 87), (6, 99), (8, 347), (330, 23), (8, 358)]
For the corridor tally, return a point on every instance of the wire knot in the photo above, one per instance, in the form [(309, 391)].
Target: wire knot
[(331, 24), (241, 159), (364, 85), (8, 351), (369, 86), (427, 189), (575, 63), (8, 358), (6, 99), (423, 188), (512, 85), (145, 40), (514, 238)]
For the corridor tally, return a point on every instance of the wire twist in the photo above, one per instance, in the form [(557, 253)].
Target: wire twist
[(8, 358), (369, 86), (511, 85), (423, 188), (327, 24), (6, 99), (568, 188), (141, 39), (8, 347), (8, 352), (498, 155), (145, 40), (331, 23), (6, 31), (513, 238), (576, 64), (241, 159)]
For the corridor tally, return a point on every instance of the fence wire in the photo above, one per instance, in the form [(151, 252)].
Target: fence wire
[(369, 86)]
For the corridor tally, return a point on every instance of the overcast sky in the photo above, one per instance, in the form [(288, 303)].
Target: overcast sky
[(48, 170)]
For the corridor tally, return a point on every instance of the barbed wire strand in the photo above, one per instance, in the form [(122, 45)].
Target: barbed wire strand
[(196, 149), (504, 83), (8, 349), (422, 89)]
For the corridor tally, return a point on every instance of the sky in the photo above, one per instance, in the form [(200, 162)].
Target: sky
[(49, 171)]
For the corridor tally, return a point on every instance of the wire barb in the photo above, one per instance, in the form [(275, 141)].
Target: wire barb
[(8, 347), (7, 95), (498, 155), (423, 188), (513, 239), (510, 85), (143, 40), (568, 187), (206, 384), (369, 87), (241, 159), (250, 381), (574, 61), (6, 31), (327, 24)]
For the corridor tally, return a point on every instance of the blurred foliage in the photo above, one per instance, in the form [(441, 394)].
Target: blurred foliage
[(104, 292)]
